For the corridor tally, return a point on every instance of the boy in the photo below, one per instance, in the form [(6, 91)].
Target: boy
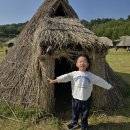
[(82, 85)]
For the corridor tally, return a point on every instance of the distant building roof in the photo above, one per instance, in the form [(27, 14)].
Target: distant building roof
[(3, 40), (106, 41), (12, 41), (125, 41)]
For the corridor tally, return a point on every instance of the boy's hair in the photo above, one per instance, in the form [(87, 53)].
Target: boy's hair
[(87, 58)]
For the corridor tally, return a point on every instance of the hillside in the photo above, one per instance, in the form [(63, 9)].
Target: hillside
[(108, 27), (11, 30)]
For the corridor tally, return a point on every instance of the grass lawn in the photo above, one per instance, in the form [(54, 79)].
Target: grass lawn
[(2, 52), (120, 63)]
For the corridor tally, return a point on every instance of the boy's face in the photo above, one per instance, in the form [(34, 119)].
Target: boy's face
[(82, 63)]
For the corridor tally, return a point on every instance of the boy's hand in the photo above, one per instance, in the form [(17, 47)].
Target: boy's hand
[(112, 87), (52, 81)]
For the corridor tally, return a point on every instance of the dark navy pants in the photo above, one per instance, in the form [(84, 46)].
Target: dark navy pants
[(80, 107)]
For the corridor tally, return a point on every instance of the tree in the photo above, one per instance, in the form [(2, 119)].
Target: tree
[(128, 17), (85, 23)]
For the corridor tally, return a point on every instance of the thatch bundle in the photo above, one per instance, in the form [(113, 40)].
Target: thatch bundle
[(124, 41), (106, 40), (47, 37)]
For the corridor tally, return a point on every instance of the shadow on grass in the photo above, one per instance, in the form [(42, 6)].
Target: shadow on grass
[(124, 76), (111, 126), (126, 79), (66, 112)]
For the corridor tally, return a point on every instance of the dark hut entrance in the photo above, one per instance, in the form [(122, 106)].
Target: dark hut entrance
[(60, 11), (63, 90)]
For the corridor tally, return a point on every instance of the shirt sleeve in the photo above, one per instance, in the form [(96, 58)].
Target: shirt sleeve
[(101, 82), (65, 78)]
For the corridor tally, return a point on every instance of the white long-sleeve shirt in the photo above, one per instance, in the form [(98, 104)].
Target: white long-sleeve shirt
[(82, 83)]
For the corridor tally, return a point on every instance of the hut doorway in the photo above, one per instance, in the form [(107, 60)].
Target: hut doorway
[(63, 94)]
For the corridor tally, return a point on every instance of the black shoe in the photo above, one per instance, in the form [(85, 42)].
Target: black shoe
[(84, 128), (72, 126)]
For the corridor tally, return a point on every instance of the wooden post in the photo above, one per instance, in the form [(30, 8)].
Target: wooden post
[(48, 68), (99, 94)]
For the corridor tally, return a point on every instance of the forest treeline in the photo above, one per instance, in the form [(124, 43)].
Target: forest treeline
[(111, 28), (11, 30)]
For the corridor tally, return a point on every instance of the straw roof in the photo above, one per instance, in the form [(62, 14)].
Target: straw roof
[(61, 31), (124, 41), (49, 9), (65, 32), (106, 41)]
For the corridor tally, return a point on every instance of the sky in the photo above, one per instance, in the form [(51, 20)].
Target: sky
[(18, 11)]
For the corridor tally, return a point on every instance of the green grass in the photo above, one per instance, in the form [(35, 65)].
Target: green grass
[(120, 63), (27, 119), (19, 112), (2, 52)]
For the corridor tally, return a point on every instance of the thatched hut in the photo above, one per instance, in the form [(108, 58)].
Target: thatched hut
[(124, 41), (47, 47), (3, 40), (11, 42), (106, 41)]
